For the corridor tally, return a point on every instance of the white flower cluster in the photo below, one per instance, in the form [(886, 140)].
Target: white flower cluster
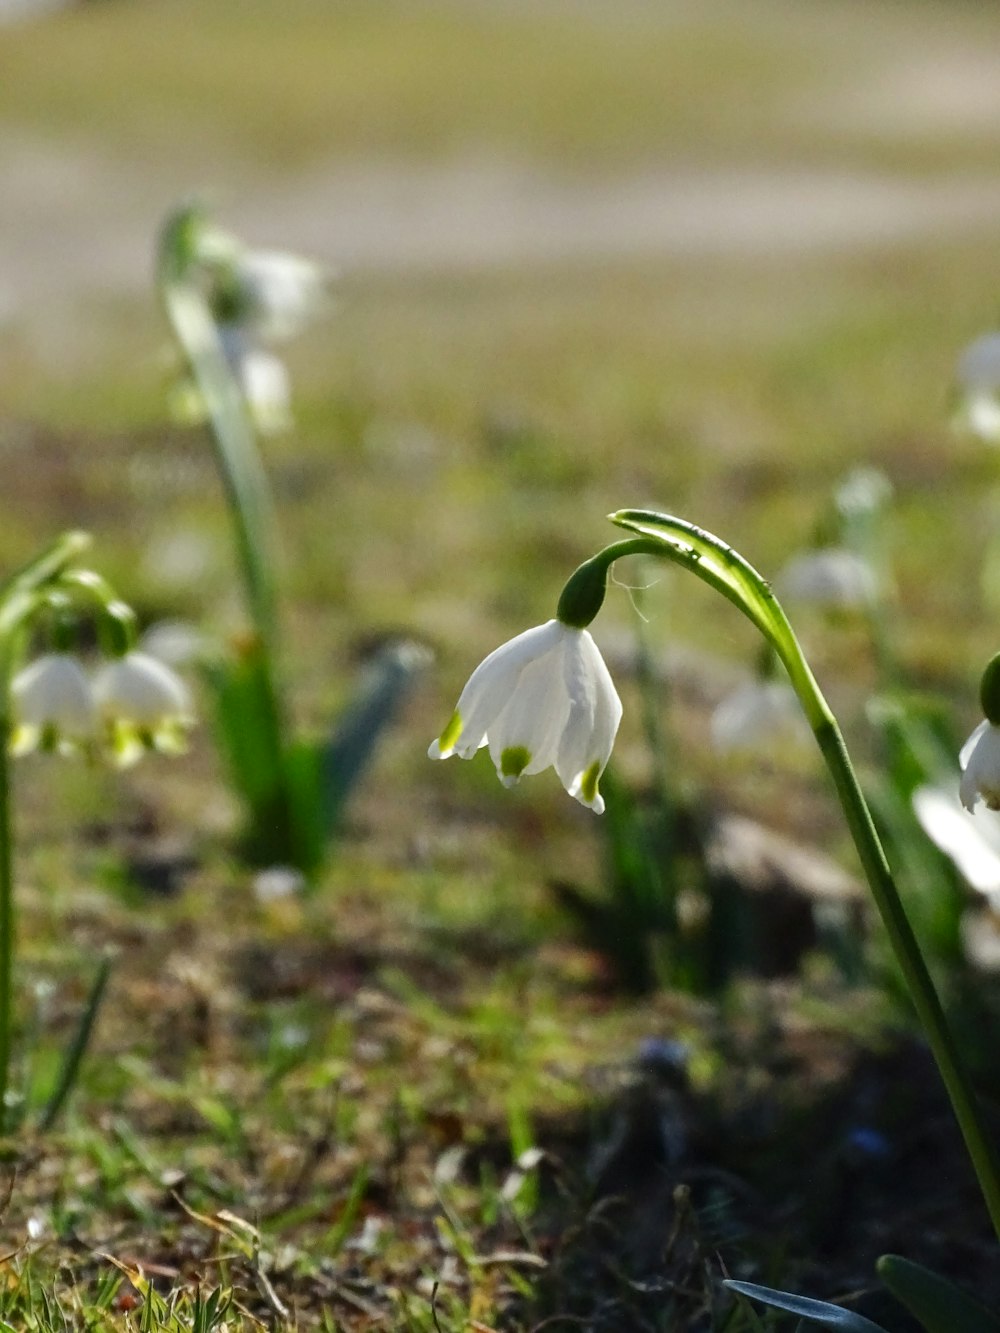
[(132, 704)]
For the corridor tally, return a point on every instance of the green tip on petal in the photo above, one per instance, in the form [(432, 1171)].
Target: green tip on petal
[(513, 761), (588, 782), (451, 733)]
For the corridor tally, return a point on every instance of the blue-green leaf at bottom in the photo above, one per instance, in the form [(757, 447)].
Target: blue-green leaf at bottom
[(817, 1312), (939, 1305)]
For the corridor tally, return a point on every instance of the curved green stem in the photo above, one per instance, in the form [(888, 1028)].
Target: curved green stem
[(724, 569), (912, 965), (239, 462), (20, 595)]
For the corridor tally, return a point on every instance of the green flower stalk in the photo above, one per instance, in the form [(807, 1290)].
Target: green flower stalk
[(52, 704), (209, 305), (228, 306), (507, 704)]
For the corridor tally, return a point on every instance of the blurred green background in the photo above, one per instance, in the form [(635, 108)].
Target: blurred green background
[(698, 256)]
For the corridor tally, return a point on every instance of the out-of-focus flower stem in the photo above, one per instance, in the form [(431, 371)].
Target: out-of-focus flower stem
[(238, 458), (19, 598)]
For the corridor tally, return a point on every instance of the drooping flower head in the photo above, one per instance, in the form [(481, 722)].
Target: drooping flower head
[(53, 706), (255, 299), (283, 293), (545, 699), (142, 705)]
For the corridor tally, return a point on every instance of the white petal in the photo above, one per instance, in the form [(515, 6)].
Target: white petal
[(54, 691), (965, 754), (982, 768), (968, 791), (595, 713), (494, 681), (140, 690), (959, 836), (267, 389), (284, 291), (980, 413), (978, 366), (533, 717)]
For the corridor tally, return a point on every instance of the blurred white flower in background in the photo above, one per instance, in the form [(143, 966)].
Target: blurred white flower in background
[(757, 715), (176, 643), (257, 299), (973, 845), (53, 706), (143, 705), (262, 377), (977, 382), (282, 293), (543, 699), (831, 577)]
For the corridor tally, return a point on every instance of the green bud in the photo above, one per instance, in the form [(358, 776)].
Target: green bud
[(989, 691), (583, 595)]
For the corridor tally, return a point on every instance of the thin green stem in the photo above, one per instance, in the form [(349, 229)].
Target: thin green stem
[(237, 455), (19, 598), (729, 573), (239, 464), (911, 963)]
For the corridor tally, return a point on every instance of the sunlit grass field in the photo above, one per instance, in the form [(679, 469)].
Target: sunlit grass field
[(351, 1076)]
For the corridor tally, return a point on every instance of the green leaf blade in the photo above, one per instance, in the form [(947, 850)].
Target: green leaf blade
[(816, 1312), (939, 1305)]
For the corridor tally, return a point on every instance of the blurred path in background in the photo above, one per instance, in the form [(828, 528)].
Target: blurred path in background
[(79, 215), (79, 226)]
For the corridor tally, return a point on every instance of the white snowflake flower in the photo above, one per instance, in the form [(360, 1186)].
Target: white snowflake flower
[(544, 699), (143, 705)]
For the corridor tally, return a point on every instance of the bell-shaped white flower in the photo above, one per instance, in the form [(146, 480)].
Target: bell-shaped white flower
[(143, 705), (831, 577), (980, 764), (282, 292), (543, 699), (53, 706), (977, 378), (759, 714), (262, 377)]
